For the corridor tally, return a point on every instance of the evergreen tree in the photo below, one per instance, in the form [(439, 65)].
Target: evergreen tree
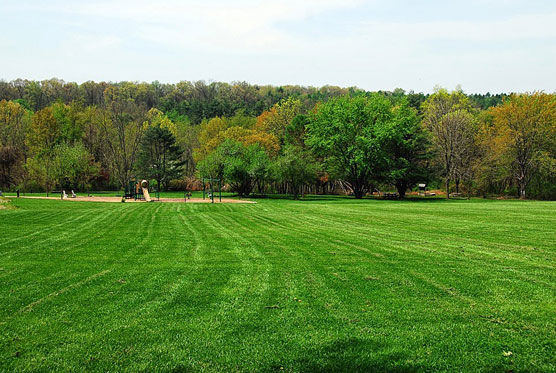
[(159, 156)]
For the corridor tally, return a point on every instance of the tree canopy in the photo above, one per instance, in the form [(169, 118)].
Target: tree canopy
[(277, 139)]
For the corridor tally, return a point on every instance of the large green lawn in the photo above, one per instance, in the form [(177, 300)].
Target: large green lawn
[(331, 284)]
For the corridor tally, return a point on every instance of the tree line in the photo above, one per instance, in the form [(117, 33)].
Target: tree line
[(266, 139)]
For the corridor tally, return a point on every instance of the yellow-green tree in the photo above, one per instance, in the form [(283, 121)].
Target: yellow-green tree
[(14, 122), (450, 118), (279, 117), (219, 129), (522, 136), (210, 136), (44, 134), (122, 128)]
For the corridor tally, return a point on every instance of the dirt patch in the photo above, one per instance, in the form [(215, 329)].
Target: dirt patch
[(4, 204), (119, 200)]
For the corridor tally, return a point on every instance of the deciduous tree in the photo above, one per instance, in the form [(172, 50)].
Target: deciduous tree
[(74, 166), (406, 147), (279, 117), (239, 165), (449, 117), (343, 131), (296, 167), (523, 136), (14, 123), (122, 128)]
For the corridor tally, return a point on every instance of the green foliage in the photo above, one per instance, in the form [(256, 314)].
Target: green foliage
[(406, 147), (296, 167), (73, 166), (295, 131), (67, 117), (279, 117), (521, 137), (373, 146), (243, 167), (122, 125), (450, 118), (159, 156), (345, 131), (41, 171), (14, 126), (45, 132)]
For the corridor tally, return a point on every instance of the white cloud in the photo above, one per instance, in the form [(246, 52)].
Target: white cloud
[(79, 44), (313, 42), (243, 25), (512, 28)]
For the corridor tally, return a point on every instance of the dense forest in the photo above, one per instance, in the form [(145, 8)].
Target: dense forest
[(265, 139)]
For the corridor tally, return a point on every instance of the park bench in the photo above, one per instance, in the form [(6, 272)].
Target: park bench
[(390, 195), (62, 193)]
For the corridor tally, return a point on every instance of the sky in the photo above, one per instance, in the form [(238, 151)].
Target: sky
[(482, 45)]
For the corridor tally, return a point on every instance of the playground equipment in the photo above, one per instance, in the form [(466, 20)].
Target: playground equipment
[(208, 188), (145, 190), (139, 191), (130, 190)]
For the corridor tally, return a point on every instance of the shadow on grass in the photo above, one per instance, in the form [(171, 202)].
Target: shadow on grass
[(351, 355), (340, 198)]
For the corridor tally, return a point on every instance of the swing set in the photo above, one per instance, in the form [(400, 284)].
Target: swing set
[(209, 186)]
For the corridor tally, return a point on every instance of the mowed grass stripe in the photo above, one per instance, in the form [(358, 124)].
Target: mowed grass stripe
[(431, 238), (323, 285), (333, 306), (52, 251), (399, 248), (457, 265)]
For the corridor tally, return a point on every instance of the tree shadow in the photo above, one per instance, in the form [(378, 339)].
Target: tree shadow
[(340, 198), (352, 355)]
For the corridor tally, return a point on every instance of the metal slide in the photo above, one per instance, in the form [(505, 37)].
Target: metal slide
[(144, 187)]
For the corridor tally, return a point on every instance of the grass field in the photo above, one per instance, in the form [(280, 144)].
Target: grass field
[(323, 284)]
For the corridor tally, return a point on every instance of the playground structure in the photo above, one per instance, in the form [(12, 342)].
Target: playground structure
[(208, 188), (139, 191)]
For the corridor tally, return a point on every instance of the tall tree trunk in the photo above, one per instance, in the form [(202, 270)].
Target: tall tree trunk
[(401, 187), (358, 191), (522, 189), (448, 188)]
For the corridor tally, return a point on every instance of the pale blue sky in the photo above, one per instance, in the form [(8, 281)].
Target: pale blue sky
[(484, 45)]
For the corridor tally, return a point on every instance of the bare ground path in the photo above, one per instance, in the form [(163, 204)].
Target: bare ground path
[(119, 199)]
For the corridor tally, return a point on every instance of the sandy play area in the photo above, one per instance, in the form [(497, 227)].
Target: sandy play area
[(119, 200)]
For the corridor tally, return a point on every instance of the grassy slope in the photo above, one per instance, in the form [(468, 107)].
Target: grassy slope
[(328, 285)]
